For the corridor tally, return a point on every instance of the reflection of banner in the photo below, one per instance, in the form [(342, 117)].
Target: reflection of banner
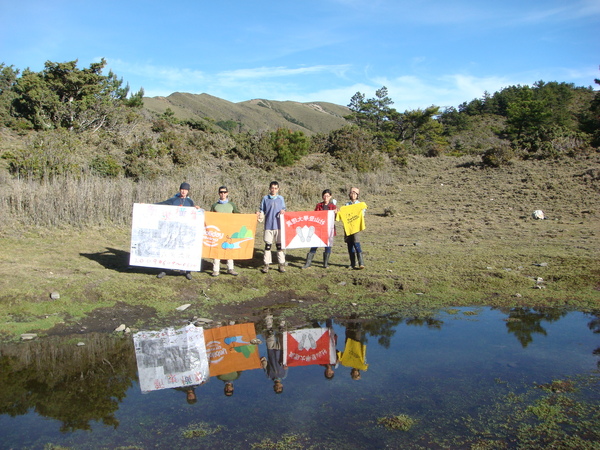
[(171, 358), (167, 237), (309, 346), (229, 348), (352, 217), (229, 236), (306, 229)]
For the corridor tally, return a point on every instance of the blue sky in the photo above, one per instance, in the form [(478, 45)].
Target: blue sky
[(424, 51)]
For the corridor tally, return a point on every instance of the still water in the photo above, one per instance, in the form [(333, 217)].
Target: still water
[(462, 378)]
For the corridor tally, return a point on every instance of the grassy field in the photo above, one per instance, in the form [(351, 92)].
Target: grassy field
[(441, 232)]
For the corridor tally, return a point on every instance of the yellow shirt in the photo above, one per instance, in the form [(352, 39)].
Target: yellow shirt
[(354, 355), (352, 217)]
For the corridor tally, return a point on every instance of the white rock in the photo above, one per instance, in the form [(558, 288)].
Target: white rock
[(538, 214), (183, 307), (28, 336), (120, 328)]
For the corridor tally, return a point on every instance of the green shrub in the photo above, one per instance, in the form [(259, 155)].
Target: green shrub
[(49, 153), (106, 166), (356, 148), (497, 156)]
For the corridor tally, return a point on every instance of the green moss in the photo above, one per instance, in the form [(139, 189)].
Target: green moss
[(200, 430), (401, 422)]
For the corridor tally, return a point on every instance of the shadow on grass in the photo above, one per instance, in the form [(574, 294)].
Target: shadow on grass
[(115, 259)]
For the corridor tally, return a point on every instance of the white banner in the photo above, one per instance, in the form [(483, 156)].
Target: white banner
[(171, 358), (166, 237)]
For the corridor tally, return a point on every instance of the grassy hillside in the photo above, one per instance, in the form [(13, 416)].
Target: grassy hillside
[(257, 115)]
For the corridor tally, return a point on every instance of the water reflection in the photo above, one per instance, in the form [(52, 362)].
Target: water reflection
[(435, 368), (75, 385), (525, 322)]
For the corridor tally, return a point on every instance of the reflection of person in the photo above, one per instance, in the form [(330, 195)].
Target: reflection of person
[(355, 350), (228, 379), (329, 368), (352, 240), (272, 206), (273, 364), (224, 205), (190, 393), (180, 199), (325, 205)]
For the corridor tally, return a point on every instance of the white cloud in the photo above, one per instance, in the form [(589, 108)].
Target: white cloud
[(170, 76), (278, 72)]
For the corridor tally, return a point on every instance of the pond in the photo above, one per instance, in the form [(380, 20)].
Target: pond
[(459, 378)]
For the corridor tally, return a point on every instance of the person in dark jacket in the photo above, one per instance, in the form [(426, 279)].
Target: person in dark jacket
[(180, 199)]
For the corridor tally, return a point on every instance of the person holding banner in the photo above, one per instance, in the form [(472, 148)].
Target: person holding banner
[(273, 364), (355, 349), (224, 205), (271, 208), (180, 199), (353, 224), (325, 205)]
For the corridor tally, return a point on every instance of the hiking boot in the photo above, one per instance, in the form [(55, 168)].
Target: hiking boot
[(282, 268), (361, 261), (309, 258), (352, 261), (265, 268), (188, 275), (232, 272), (161, 274), (214, 274)]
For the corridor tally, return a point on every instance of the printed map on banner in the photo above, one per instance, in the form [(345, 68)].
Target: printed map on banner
[(309, 346), (307, 229), (229, 236), (230, 348), (166, 237), (171, 358)]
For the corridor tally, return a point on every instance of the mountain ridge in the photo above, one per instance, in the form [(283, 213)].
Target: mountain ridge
[(252, 115)]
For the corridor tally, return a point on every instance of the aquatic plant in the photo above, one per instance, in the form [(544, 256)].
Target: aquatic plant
[(399, 422), (201, 429), (561, 416), (287, 442)]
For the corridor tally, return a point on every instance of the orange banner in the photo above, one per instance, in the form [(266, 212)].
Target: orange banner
[(229, 236), (229, 348)]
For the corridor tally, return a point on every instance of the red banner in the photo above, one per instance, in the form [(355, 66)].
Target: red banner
[(309, 346), (307, 229)]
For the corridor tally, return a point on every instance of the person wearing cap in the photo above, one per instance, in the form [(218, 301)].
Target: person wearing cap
[(224, 205), (271, 208), (352, 240), (180, 199)]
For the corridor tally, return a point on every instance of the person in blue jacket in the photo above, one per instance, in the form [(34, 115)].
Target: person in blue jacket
[(271, 209)]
